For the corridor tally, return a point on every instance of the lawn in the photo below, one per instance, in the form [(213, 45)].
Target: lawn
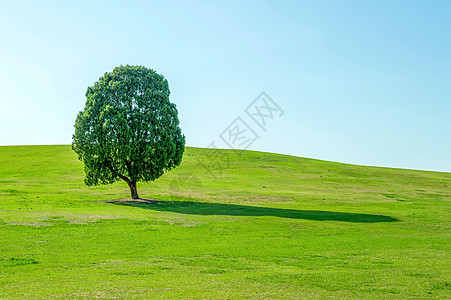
[(224, 225)]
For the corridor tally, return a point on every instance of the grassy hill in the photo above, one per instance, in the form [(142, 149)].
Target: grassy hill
[(250, 225)]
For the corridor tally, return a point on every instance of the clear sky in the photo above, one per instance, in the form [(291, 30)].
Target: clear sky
[(364, 82)]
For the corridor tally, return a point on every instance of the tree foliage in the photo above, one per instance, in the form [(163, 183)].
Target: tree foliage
[(128, 129)]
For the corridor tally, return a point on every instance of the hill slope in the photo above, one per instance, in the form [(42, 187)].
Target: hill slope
[(228, 225)]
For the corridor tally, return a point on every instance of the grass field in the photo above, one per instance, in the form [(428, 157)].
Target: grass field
[(268, 226)]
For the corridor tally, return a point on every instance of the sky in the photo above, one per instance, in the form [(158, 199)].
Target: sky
[(361, 82)]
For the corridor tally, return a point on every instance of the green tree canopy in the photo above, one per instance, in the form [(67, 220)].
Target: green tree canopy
[(128, 129)]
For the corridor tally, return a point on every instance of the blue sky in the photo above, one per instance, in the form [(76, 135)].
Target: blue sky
[(364, 82)]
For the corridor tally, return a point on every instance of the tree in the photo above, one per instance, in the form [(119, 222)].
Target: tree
[(128, 129)]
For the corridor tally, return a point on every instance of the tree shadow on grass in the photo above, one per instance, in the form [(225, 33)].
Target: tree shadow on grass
[(211, 209)]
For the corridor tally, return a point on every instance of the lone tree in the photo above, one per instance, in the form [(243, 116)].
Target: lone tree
[(128, 129)]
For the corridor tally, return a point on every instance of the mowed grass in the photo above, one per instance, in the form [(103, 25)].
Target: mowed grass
[(264, 226)]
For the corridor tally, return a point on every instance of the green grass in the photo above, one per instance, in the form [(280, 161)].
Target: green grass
[(269, 226)]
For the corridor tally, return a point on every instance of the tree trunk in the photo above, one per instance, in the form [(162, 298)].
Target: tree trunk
[(133, 189), (132, 185)]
